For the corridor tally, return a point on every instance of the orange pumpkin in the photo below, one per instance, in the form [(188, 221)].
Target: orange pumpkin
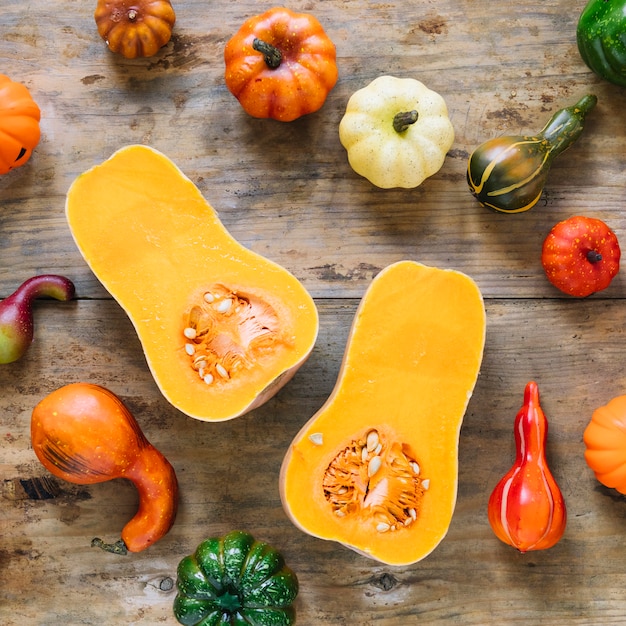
[(605, 443), (135, 28), (19, 124), (280, 65)]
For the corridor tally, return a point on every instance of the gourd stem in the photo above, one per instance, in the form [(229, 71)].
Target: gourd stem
[(404, 119), (271, 54), (119, 547), (593, 256)]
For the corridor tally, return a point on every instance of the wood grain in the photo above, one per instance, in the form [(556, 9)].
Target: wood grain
[(286, 191)]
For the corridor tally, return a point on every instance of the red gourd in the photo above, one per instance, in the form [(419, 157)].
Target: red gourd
[(84, 434), (526, 509)]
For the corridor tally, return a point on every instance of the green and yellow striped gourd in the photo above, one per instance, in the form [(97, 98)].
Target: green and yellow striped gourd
[(508, 173)]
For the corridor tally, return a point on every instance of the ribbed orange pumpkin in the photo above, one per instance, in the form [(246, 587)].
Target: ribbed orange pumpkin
[(19, 124), (135, 28), (280, 65), (605, 443)]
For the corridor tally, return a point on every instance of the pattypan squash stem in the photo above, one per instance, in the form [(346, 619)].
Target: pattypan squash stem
[(404, 119), (593, 256), (271, 54)]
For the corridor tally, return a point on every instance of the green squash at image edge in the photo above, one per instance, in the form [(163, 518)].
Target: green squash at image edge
[(235, 580), (601, 38)]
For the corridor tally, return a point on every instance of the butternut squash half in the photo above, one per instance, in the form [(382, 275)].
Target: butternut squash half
[(376, 468), (222, 328)]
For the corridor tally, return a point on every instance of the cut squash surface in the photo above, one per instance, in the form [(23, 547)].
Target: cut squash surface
[(376, 468), (222, 327)]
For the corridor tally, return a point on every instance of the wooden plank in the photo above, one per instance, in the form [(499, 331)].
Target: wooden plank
[(304, 207), (469, 578)]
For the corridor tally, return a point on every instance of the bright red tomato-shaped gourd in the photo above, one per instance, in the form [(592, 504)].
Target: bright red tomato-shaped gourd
[(19, 124), (605, 444), (580, 256), (84, 434), (280, 65), (526, 509)]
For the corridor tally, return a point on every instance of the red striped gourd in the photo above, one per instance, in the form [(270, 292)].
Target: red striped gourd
[(526, 509), (508, 173)]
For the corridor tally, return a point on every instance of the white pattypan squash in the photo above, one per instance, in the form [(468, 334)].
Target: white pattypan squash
[(396, 131)]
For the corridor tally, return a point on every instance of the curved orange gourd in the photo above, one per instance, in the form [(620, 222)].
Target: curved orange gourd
[(605, 443), (280, 65), (526, 509), (84, 434)]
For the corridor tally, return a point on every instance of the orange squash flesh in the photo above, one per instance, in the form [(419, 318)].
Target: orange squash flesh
[(410, 366), (160, 250)]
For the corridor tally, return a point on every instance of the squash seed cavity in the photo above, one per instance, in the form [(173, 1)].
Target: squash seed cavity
[(226, 332), (376, 480)]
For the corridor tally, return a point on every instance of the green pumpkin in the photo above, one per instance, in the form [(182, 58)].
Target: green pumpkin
[(235, 580), (601, 38), (508, 173)]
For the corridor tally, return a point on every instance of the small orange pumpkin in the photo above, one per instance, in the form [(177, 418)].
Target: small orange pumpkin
[(135, 28), (19, 124), (280, 65), (605, 443)]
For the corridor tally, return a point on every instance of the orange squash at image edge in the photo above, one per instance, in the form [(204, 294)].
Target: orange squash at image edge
[(605, 444), (19, 124)]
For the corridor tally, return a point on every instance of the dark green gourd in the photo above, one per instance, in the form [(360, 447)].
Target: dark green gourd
[(235, 580), (508, 173), (601, 41)]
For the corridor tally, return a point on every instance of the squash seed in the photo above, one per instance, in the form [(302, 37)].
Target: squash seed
[(374, 465), (372, 440), (209, 297), (381, 527), (208, 378), (221, 370), (190, 333), (224, 305), (190, 349), (316, 439)]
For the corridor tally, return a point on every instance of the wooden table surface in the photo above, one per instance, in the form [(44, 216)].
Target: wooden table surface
[(287, 192)]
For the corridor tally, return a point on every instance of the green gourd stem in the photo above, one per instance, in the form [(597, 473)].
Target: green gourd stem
[(404, 119), (567, 124), (119, 547), (271, 54)]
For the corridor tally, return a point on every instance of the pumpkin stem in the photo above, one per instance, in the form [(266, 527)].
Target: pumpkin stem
[(119, 547), (271, 54), (593, 256), (404, 119), (132, 15)]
